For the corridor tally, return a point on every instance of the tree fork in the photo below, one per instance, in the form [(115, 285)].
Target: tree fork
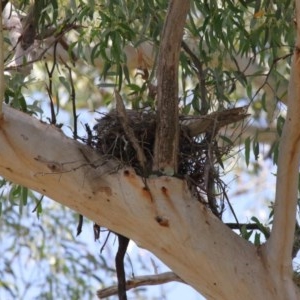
[(190, 240)]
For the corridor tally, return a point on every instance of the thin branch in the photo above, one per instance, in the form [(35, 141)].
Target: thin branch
[(129, 131), (140, 281), (80, 224), (38, 204), (167, 130), (239, 226), (122, 248), (248, 226), (49, 89), (97, 230), (201, 78), (73, 99)]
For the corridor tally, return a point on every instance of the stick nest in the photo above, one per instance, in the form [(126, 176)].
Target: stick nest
[(199, 157)]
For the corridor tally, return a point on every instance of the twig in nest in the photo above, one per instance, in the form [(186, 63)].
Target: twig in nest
[(129, 131), (140, 281)]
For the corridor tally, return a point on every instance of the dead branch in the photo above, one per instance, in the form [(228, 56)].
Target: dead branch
[(195, 125), (140, 281), (122, 248), (167, 130)]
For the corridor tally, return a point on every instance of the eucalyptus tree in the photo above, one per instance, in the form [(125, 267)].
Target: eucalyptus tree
[(203, 80)]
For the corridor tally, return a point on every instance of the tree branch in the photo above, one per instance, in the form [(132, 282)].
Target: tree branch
[(195, 125), (190, 240), (279, 247), (167, 129), (140, 281)]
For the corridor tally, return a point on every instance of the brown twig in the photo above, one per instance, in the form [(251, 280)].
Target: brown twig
[(140, 281), (121, 111), (195, 125), (49, 89), (79, 226), (123, 244), (73, 99)]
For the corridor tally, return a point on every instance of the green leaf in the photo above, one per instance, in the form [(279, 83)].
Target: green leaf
[(280, 124), (227, 140), (261, 227), (126, 73), (65, 83), (257, 241), (24, 195), (120, 77), (256, 149), (245, 233), (247, 150)]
